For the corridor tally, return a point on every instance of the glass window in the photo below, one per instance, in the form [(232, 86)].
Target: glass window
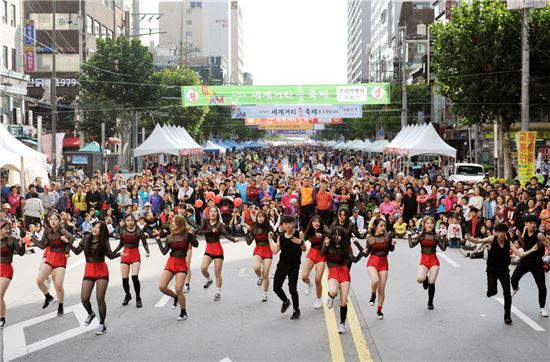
[(188, 11), (5, 12), (5, 56), (63, 62), (89, 25), (13, 59), (188, 22), (188, 33), (97, 28), (104, 31), (63, 21), (13, 16)]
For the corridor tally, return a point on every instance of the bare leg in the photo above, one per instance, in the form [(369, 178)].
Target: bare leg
[(267, 266), (4, 284), (165, 279), (218, 263), (319, 270), (306, 271)]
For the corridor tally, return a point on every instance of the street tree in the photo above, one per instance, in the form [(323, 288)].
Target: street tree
[(477, 63)]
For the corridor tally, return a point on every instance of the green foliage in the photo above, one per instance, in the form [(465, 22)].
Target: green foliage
[(219, 124), (385, 116), (191, 118), (117, 77)]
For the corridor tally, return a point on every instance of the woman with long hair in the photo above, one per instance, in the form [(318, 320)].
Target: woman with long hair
[(189, 213), (337, 255), (8, 247), (263, 256), (177, 243), (429, 263), (130, 236), (58, 240), (212, 227), (314, 234), (379, 244), (96, 247)]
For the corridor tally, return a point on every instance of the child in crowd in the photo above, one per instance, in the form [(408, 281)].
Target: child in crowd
[(86, 226), (400, 228), (454, 233)]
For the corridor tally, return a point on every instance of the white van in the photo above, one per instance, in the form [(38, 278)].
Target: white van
[(467, 172)]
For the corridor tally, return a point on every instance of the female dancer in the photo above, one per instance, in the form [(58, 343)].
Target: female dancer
[(337, 255), (8, 246), (96, 247), (59, 241), (212, 228), (189, 213), (131, 258), (177, 243), (378, 245), (263, 255), (350, 229), (314, 234), (429, 263)]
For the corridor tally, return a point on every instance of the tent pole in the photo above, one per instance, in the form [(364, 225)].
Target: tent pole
[(21, 175)]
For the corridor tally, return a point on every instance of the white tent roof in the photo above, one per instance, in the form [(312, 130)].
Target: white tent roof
[(212, 147), (188, 144), (377, 146), (158, 142), (410, 138), (15, 156), (429, 142), (361, 145)]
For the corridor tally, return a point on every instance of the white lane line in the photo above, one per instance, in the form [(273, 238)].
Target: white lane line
[(522, 316), (162, 302), (76, 264), (15, 344), (448, 260)]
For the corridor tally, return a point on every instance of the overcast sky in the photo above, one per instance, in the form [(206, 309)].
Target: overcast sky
[(292, 41)]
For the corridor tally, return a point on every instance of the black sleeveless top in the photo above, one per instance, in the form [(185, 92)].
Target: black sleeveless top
[(528, 242), (499, 258)]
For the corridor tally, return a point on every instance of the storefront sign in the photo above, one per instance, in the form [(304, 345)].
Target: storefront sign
[(30, 33), (526, 155), (59, 82), (366, 93), (267, 111), (30, 58)]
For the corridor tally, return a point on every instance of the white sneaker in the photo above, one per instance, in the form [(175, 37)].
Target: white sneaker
[(318, 304), (308, 289), (264, 297), (330, 302), (341, 328), (514, 291), (217, 297), (101, 329), (543, 312), (259, 282)]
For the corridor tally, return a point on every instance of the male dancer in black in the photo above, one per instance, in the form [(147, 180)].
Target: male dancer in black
[(291, 245), (498, 263), (533, 262)]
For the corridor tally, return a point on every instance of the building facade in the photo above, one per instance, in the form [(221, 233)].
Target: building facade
[(359, 37), (203, 29), (13, 81)]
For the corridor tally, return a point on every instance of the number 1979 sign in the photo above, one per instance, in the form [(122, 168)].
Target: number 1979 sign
[(367, 93)]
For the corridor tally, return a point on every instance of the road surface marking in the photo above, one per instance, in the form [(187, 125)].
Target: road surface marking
[(15, 344), (448, 260), (336, 350), (522, 316), (76, 264), (226, 359), (361, 346), (162, 302)]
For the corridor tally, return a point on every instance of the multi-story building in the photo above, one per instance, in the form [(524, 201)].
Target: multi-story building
[(203, 29), (78, 24), (248, 79), (13, 81), (359, 33)]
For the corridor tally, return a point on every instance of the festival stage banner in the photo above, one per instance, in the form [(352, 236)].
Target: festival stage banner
[(325, 112), (526, 155), (361, 93)]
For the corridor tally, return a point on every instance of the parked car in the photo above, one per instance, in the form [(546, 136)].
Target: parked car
[(467, 172)]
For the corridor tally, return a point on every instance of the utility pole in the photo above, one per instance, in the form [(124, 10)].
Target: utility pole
[(404, 78), (525, 70), (81, 59), (182, 12), (53, 95)]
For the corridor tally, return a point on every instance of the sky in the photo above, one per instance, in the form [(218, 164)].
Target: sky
[(292, 41)]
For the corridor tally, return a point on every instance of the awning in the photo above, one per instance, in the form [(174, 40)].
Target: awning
[(71, 142)]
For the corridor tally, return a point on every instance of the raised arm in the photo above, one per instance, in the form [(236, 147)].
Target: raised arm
[(523, 254), (275, 247), (413, 240), (80, 246), (486, 240), (543, 240), (43, 242), (17, 246), (164, 248), (224, 232), (192, 239)]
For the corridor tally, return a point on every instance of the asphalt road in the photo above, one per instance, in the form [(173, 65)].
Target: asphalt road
[(465, 325)]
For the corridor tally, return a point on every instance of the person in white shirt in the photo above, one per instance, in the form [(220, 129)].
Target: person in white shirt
[(475, 200), (185, 192), (454, 233), (48, 199), (33, 211), (358, 220)]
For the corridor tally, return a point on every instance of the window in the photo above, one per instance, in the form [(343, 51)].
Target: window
[(13, 59), (5, 12), (188, 11), (97, 28), (63, 62), (89, 24), (65, 21), (188, 22), (104, 31), (188, 33), (13, 15), (5, 57)]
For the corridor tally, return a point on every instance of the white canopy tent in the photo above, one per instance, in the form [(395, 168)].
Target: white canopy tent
[(210, 146), (188, 145), (17, 158), (428, 142), (158, 142), (377, 146)]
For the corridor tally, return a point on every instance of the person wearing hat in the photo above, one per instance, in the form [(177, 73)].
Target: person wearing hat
[(358, 220), (124, 198), (498, 263), (5, 215), (156, 200), (532, 238), (9, 246)]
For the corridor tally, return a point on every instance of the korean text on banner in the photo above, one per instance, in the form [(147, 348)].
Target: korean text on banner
[(306, 111), (365, 93), (526, 141), (272, 127)]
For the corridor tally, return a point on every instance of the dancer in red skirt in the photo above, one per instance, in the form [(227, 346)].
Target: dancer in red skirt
[(314, 234), (96, 247), (337, 255), (212, 228), (378, 246), (130, 237), (178, 244), (260, 232), (429, 263), (8, 246), (59, 241)]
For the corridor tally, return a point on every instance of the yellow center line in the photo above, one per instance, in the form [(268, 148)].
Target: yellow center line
[(361, 346), (334, 341)]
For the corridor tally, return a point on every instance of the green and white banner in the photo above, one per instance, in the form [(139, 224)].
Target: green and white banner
[(364, 93)]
